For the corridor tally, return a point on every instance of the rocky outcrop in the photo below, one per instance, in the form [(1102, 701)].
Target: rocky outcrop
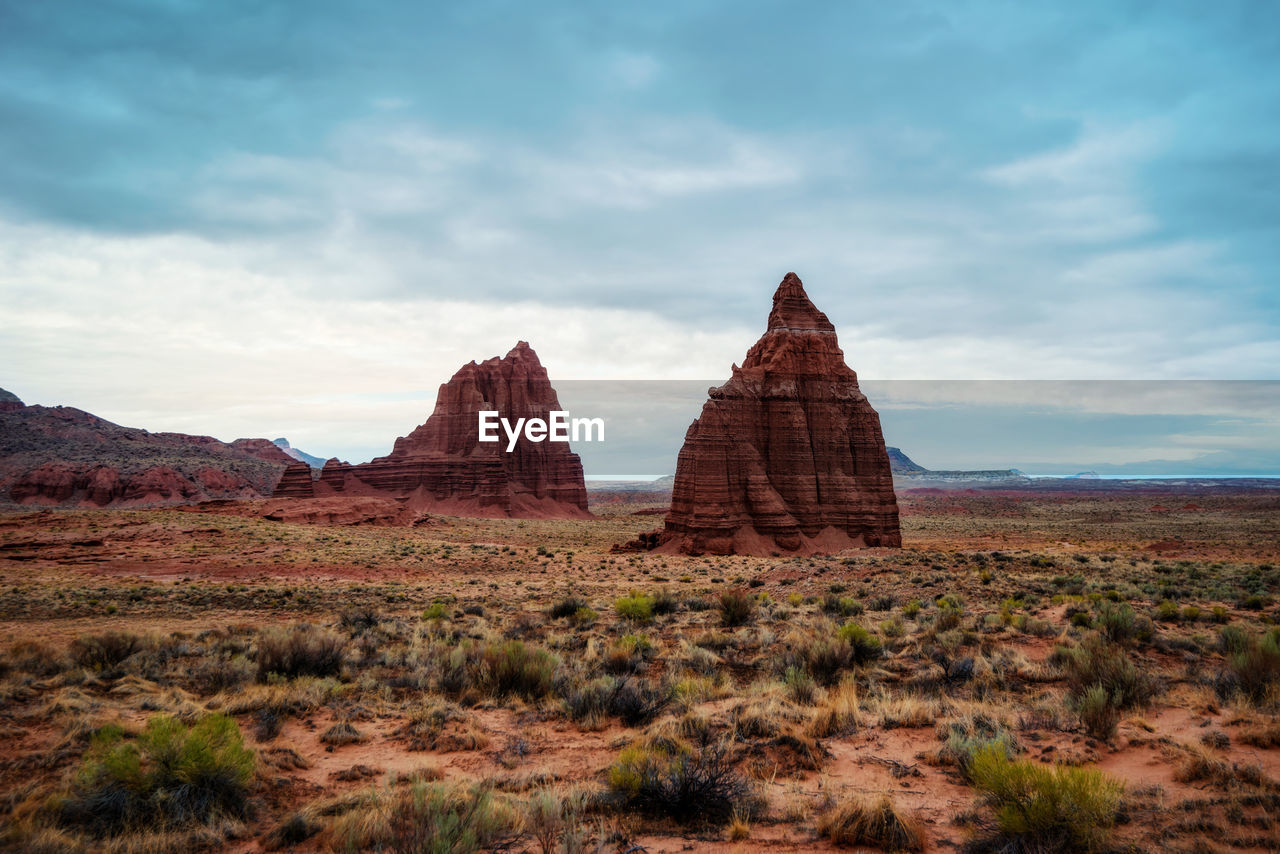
[(788, 455), (9, 401), (442, 467), (65, 456), (296, 482), (263, 449), (343, 510)]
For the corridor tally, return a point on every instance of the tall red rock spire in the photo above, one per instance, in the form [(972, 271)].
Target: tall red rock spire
[(787, 456), (443, 467)]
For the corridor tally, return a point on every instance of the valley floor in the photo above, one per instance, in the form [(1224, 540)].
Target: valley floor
[(518, 685)]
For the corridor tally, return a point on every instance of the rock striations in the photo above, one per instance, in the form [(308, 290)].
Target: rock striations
[(442, 466), (787, 456)]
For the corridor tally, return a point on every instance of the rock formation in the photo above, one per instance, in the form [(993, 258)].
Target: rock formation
[(442, 466), (65, 456), (10, 401), (296, 482), (787, 456)]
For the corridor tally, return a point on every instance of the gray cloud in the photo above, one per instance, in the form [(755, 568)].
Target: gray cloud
[(969, 190)]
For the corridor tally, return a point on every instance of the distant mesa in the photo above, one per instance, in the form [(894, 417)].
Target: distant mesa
[(442, 467), (62, 456), (900, 463), (788, 455), (301, 456), (908, 473)]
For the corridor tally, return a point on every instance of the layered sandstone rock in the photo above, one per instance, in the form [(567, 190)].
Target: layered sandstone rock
[(442, 466), (787, 456), (65, 456), (296, 482)]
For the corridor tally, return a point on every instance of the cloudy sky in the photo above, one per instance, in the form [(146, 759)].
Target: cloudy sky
[(257, 218)]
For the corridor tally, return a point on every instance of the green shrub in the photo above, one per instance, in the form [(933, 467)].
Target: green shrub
[(512, 667), (1081, 619), (912, 609), (302, 650), (961, 748), (801, 687), (841, 606), (628, 653), (737, 607), (1167, 611), (436, 611), (1255, 669), (1097, 662), (863, 646), (1119, 623), (635, 607), (1098, 713), (1233, 640), (1043, 808), (171, 775), (949, 614)]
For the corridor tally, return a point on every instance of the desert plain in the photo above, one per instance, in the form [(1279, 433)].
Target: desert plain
[(1036, 669)]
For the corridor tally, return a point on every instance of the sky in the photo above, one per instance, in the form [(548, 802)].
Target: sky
[(298, 219)]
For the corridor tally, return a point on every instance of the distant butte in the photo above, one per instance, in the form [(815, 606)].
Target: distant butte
[(788, 455), (442, 467)]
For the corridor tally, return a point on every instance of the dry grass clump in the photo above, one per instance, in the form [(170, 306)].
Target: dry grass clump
[(1264, 736), (634, 701), (687, 781), (838, 713), (105, 651), (443, 727), (1199, 766), (910, 711), (301, 650), (859, 821), (428, 817), (342, 732)]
